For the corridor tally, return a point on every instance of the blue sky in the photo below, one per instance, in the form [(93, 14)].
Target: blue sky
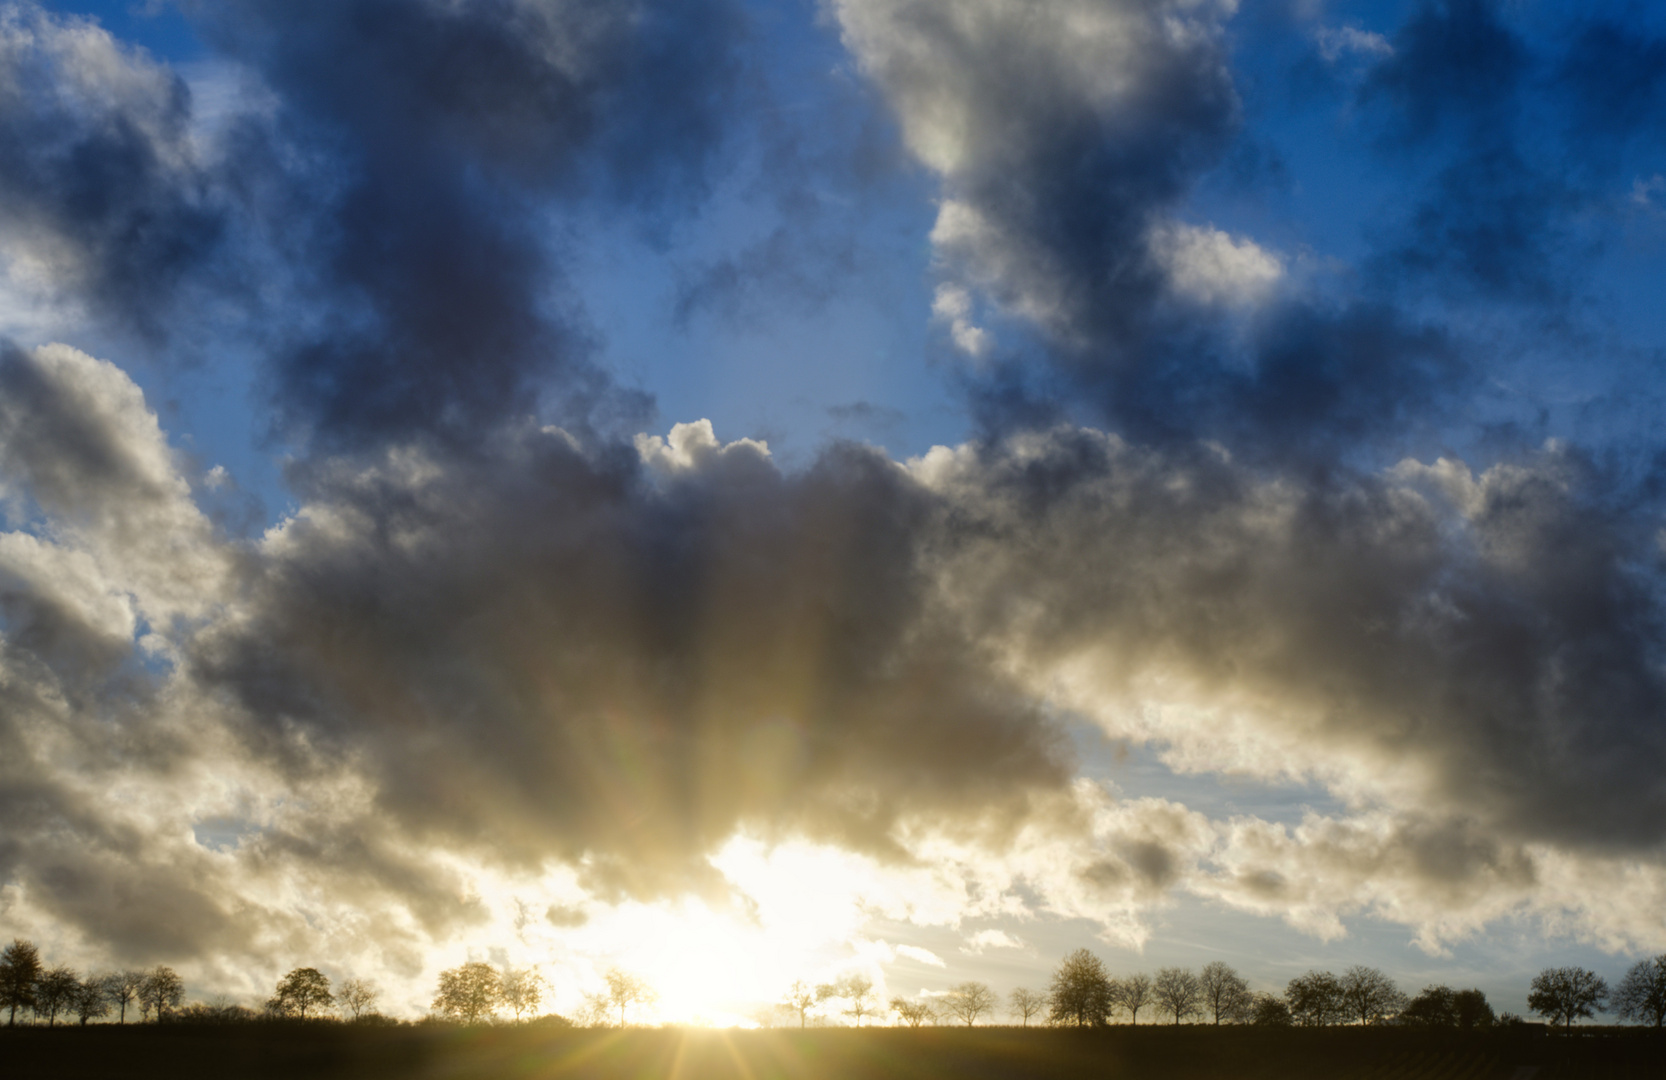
[(1177, 476)]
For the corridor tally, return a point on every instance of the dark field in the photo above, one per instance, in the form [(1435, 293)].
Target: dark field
[(306, 1051)]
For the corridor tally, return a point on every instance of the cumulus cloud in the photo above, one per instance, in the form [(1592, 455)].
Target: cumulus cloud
[(1385, 620), (549, 652), (511, 666), (1061, 134), (105, 204)]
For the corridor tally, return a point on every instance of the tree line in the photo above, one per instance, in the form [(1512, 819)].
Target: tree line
[(27, 985), (1082, 993), (51, 994)]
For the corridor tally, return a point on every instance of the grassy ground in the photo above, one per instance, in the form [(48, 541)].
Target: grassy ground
[(328, 1051)]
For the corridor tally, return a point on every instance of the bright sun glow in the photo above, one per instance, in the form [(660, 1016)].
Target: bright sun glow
[(797, 913)]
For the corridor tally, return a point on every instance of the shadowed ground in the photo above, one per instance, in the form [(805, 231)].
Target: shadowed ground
[(259, 1051)]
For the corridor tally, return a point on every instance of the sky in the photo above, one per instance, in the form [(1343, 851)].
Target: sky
[(743, 492)]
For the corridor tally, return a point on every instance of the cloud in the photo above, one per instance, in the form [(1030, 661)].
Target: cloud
[(1066, 140), (553, 652), (1401, 636), (509, 654), (991, 939), (444, 129), (1335, 42), (1059, 134), (924, 956), (622, 660), (1212, 267), (106, 205)]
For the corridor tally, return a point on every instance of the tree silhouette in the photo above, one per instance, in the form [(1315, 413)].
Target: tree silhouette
[(1441, 1006), (1178, 992), (856, 989), (92, 999), (301, 991), (20, 971), (56, 993), (1026, 1003), (160, 990), (1641, 995), (358, 996), (913, 1013), (1226, 996), (523, 990), (1133, 993), (1369, 995), (625, 990), (1081, 993), (122, 988), (1269, 1010), (801, 998), (968, 1001), (470, 993), (1315, 999), (1563, 995)]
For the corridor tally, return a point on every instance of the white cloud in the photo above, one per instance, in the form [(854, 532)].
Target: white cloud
[(924, 956), (990, 938), (1213, 267), (1335, 42)]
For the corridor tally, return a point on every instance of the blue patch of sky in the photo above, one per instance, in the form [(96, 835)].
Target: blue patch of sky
[(223, 833), (155, 25), (1136, 770)]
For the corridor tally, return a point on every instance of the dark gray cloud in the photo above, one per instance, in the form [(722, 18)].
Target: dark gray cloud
[(1059, 137), (1488, 642), (566, 655), (547, 647), (1066, 144), (100, 182), (394, 176), (446, 133)]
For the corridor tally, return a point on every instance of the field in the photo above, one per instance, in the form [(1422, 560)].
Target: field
[(325, 1051)]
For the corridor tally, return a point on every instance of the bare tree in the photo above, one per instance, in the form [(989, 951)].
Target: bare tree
[(1134, 993), (20, 971), (160, 990), (1563, 995), (122, 988), (301, 991), (523, 990), (1641, 995), (1026, 1003), (92, 999), (1315, 999), (470, 993), (1226, 996), (624, 990), (358, 997), (801, 998), (855, 989), (56, 993), (914, 1013), (968, 1001), (1081, 993), (1369, 995), (1178, 992)]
